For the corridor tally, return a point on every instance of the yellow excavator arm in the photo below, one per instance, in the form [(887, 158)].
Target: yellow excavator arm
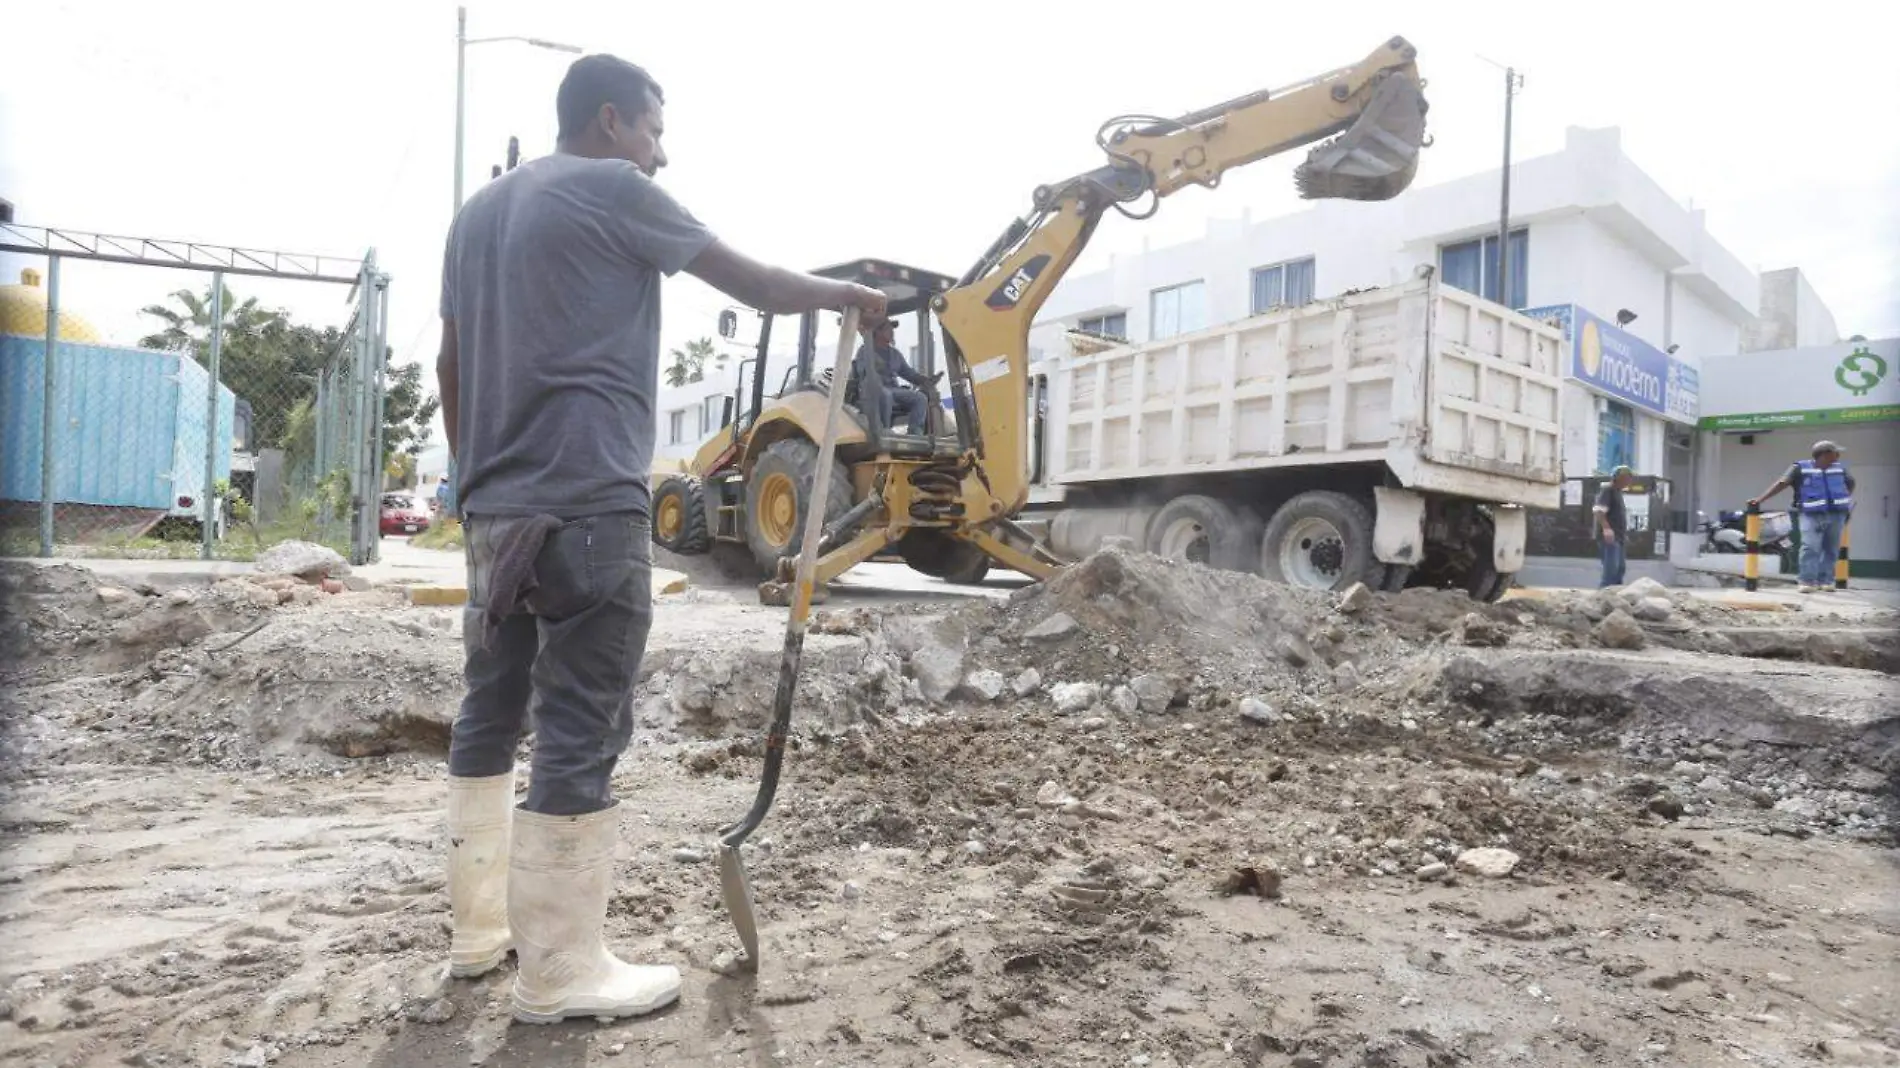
[(1377, 109)]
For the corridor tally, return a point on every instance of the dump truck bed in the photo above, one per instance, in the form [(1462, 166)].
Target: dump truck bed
[(1453, 393)]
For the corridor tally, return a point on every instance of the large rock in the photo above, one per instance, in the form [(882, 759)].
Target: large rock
[(1055, 628), (1643, 588), (1154, 693), (984, 684), (1619, 631), (938, 669), (1075, 696), (1356, 599), (1653, 609), (302, 559), (1026, 683), (1489, 862)]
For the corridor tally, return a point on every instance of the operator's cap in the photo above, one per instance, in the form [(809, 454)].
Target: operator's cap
[(1825, 446)]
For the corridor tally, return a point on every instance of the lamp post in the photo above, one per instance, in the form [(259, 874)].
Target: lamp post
[(462, 46), (462, 41)]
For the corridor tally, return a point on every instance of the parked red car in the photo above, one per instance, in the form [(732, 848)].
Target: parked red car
[(403, 514)]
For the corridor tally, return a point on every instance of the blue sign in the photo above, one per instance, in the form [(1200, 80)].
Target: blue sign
[(1617, 363)]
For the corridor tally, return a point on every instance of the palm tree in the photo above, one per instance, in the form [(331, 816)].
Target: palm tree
[(689, 363), (190, 330)]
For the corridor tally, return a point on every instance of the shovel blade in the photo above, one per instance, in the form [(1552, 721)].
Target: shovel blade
[(1377, 157), (737, 892)]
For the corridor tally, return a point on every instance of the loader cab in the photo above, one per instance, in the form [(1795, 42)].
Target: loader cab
[(909, 291)]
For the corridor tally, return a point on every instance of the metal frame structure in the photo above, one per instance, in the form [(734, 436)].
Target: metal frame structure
[(368, 330)]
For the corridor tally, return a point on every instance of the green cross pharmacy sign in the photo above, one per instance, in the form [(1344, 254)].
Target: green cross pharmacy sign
[(1847, 384)]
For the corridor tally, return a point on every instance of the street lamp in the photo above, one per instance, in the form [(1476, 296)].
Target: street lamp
[(462, 41)]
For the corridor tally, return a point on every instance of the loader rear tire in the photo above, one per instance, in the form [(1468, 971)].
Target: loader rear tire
[(679, 516), (1205, 530), (778, 495), (1320, 540)]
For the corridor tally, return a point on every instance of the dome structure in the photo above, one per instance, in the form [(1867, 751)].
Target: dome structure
[(23, 312)]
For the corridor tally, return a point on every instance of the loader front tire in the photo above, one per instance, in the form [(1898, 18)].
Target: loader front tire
[(778, 496), (680, 523)]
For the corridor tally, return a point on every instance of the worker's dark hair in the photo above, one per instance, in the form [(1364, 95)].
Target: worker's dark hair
[(601, 79)]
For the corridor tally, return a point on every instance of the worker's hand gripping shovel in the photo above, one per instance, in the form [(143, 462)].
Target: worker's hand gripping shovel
[(732, 877)]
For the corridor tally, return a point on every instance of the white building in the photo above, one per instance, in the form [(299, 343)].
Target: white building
[(1590, 231)]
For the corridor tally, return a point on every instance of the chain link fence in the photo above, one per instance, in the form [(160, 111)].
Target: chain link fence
[(224, 430)]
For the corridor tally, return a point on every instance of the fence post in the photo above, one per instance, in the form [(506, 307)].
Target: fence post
[(213, 501), (377, 416), (49, 408), (1751, 544), (1840, 565)]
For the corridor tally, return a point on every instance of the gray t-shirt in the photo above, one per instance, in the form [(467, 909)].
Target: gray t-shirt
[(552, 279)]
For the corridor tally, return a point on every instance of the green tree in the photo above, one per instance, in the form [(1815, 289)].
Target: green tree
[(689, 363), (273, 363)]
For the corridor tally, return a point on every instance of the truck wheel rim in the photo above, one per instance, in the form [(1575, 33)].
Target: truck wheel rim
[(1183, 539), (1313, 553), (672, 517), (778, 508)]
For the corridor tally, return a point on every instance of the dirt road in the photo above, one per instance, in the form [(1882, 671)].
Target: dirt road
[(1143, 816)]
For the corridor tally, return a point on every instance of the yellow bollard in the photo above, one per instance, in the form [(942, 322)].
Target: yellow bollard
[(1751, 543), (1840, 564)]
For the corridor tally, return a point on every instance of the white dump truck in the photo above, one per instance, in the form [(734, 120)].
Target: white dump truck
[(1391, 436)]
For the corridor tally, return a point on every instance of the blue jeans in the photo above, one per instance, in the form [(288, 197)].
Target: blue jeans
[(571, 654), (1820, 546), (905, 402), (1611, 555)]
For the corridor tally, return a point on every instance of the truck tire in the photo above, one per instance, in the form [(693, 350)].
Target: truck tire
[(1483, 581), (950, 559), (1320, 540), (778, 496), (679, 516), (1205, 530)]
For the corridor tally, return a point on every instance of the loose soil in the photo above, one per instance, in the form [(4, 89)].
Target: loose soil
[(1144, 814)]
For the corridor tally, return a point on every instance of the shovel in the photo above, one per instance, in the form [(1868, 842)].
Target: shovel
[(733, 885)]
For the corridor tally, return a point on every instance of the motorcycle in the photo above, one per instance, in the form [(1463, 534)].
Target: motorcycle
[(1728, 533)]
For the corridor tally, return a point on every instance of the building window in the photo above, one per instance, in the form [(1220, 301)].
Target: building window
[(1616, 437), (1283, 285), (1111, 324), (710, 411), (676, 426), (1177, 310), (1473, 267)]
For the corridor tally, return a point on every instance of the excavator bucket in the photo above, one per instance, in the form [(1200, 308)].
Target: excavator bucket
[(1376, 158)]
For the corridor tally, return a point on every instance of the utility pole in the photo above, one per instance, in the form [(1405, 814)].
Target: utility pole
[(1513, 81), (461, 64)]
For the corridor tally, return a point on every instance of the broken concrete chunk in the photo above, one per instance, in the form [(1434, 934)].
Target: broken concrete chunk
[(1480, 631), (1643, 589), (1026, 683), (1254, 710), (1345, 677), (113, 595), (1293, 650), (1433, 872), (984, 684), (1055, 628), (1153, 693), (1619, 631), (1074, 696), (1489, 862), (938, 670), (302, 559), (1052, 795), (1357, 598), (1653, 609), (1123, 700)]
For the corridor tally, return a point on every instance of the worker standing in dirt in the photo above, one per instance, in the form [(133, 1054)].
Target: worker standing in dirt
[(1823, 501), (548, 371), (1613, 527)]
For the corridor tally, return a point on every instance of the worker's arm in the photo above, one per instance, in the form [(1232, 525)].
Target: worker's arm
[(1780, 484), (1602, 511), (448, 383), (776, 290), (908, 373)]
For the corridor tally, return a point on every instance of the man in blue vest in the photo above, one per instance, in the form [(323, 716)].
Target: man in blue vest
[(1823, 499)]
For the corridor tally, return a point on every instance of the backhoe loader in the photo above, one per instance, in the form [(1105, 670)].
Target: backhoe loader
[(946, 500)]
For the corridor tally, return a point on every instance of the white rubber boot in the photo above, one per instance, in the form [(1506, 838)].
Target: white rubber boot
[(559, 878), (479, 816)]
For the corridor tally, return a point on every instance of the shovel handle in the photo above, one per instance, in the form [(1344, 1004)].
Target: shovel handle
[(801, 597)]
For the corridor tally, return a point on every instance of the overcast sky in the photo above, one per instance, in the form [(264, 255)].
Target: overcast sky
[(815, 132)]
